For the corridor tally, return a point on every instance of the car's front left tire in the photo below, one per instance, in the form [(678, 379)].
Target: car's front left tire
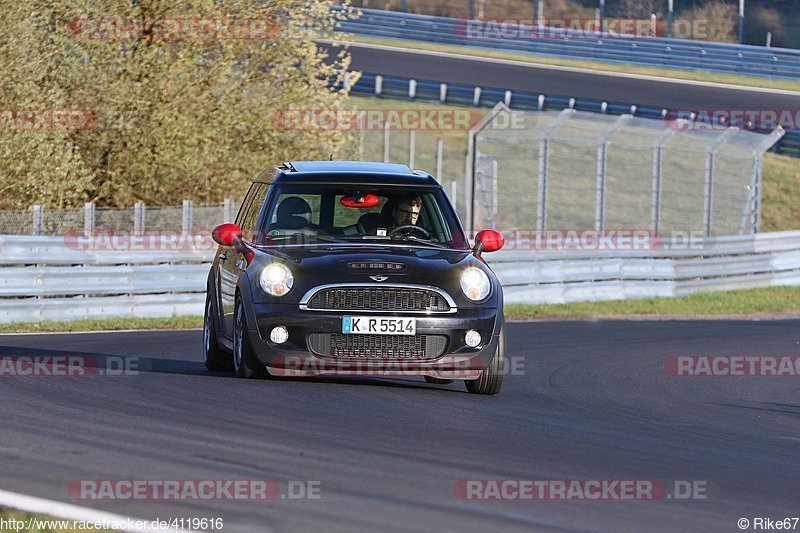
[(245, 363), (491, 380), (215, 359)]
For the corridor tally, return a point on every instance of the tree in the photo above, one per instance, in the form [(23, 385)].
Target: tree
[(182, 105), (715, 20)]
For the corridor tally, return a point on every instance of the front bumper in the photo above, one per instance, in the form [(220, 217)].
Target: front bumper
[(294, 358)]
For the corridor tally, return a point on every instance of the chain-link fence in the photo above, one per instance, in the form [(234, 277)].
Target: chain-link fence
[(137, 219), (570, 169)]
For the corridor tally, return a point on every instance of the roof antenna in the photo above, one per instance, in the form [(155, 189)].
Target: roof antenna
[(331, 158)]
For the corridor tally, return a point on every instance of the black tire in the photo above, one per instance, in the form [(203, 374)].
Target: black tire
[(491, 380), (245, 364), (438, 381), (215, 359)]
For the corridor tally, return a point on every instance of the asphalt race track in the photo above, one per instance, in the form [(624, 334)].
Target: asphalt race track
[(586, 401), (553, 81)]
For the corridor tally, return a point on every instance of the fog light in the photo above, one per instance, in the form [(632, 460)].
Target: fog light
[(472, 338), (279, 335)]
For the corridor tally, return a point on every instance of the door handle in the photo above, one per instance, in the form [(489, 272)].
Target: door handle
[(223, 256)]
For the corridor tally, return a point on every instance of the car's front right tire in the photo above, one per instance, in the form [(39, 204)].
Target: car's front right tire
[(245, 363), (215, 359)]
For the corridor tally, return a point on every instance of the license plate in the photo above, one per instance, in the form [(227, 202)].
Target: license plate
[(379, 325)]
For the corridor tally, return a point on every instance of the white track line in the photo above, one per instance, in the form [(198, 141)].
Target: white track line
[(30, 504), (483, 59)]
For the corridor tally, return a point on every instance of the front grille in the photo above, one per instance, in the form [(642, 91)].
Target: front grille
[(378, 299), (377, 346)]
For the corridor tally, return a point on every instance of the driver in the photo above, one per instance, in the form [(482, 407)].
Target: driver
[(406, 212)]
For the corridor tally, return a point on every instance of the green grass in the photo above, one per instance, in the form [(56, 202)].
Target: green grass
[(24, 517), (772, 301), (780, 201), (109, 324), (693, 75)]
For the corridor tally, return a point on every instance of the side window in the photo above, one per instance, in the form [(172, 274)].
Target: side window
[(248, 199), (251, 208), (314, 201)]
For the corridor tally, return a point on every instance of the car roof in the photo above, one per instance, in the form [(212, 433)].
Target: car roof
[(356, 172)]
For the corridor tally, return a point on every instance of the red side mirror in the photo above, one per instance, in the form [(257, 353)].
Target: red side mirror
[(489, 240), (225, 234)]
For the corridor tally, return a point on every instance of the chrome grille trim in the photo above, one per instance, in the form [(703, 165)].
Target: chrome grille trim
[(310, 294)]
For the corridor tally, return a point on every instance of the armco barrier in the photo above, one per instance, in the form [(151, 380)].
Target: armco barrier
[(650, 51), (97, 285)]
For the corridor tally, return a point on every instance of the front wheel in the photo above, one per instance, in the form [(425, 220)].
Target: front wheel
[(215, 359), (491, 380), (245, 364)]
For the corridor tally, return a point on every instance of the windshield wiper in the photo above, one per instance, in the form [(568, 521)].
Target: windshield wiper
[(301, 237), (418, 240)]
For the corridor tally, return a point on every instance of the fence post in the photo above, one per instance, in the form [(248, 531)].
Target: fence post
[(88, 218), (658, 157), (602, 163), (186, 219), (38, 220), (442, 92), (541, 215), (412, 140), (227, 208), (412, 89), (378, 85), (439, 150), (138, 218), (386, 143), (454, 193)]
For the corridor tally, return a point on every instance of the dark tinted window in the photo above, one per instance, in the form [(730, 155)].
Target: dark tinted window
[(299, 214)]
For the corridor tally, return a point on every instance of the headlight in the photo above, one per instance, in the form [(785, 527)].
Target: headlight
[(276, 279), (475, 284)]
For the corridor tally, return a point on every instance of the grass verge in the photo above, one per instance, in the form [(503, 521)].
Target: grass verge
[(768, 302), (107, 324), (692, 75)]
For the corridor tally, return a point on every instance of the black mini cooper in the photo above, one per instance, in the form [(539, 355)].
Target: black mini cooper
[(351, 268)]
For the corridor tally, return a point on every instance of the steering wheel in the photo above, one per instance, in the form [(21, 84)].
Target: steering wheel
[(408, 229)]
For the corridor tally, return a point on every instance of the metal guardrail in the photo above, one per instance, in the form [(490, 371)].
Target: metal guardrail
[(462, 94), (69, 278), (149, 288), (651, 51), (673, 269)]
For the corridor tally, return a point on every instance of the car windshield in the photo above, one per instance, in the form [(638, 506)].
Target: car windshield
[(313, 214)]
